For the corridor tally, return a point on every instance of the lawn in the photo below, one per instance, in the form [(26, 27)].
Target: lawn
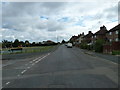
[(28, 50)]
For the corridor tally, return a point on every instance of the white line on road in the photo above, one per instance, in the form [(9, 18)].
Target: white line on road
[(23, 71), (36, 61), (7, 83), (28, 67), (18, 75), (33, 64)]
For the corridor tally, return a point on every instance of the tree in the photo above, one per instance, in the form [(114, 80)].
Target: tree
[(22, 43), (6, 43), (63, 41), (27, 43), (99, 45), (83, 45), (16, 43)]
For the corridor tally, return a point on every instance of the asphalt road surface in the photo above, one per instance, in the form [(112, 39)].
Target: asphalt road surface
[(62, 68)]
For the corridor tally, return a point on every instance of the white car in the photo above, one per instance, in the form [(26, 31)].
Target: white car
[(69, 45)]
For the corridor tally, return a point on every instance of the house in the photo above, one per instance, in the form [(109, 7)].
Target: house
[(48, 42), (80, 38), (113, 43), (73, 39), (112, 34), (100, 34), (88, 38)]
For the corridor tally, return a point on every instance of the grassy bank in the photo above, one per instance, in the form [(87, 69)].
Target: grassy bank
[(29, 50), (116, 52)]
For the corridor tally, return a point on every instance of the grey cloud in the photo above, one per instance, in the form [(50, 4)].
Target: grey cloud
[(21, 18), (112, 12)]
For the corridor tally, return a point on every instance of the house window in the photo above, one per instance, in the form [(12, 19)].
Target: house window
[(116, 32), (110, 40), (116, 39), (95, 36), (110, 33)]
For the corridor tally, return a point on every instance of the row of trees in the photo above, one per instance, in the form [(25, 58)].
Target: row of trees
[(17, 43)]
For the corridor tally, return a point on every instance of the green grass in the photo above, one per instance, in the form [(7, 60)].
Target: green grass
[(115, 52), (30, 49)]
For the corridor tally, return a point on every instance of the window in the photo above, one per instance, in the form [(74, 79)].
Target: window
[(110, 40), (116, 32), (95, 36), (110, 33), (116, 39)]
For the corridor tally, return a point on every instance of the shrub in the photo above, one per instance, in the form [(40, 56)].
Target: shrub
[(115, 52), (83, 45), (99, 45)]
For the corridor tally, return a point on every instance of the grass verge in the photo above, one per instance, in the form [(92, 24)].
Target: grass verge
[(29, 50)]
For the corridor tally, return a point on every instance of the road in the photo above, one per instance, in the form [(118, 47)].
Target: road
[(62, 68)]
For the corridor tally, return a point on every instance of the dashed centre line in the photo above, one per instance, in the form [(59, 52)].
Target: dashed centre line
[(7, 83), (28, 67), (23, 71)]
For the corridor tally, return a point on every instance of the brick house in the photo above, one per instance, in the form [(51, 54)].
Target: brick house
[(80, 38), (101, 34), (112, 34), (73, 39), (88, 38), (113, 42)]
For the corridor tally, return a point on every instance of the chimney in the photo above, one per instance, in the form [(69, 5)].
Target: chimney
[(103, 28), (83, 33), (89, 32)]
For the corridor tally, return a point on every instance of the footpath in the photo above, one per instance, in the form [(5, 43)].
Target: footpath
[(113, 58)]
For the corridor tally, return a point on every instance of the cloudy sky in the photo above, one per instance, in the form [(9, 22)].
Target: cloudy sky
[(38, 21)]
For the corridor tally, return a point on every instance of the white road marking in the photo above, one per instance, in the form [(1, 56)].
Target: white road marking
[(30, 61), (18, 75), (23, 71), (33, 64), (36, 61), (7, 83), (48, 53), (28, 67)]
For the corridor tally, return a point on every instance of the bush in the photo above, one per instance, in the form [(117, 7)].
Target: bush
[(83, 45), (99, 45), (115, 52)]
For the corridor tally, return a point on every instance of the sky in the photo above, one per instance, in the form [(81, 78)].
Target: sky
[(41, 21)]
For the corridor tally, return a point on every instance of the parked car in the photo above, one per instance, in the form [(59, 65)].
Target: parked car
[(69, 45)]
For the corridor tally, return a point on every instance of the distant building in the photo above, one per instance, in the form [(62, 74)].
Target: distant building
[(80, 38), (48, 42), (73, 39)]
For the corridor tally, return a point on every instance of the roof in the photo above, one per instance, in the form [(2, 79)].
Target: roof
[(102, 31), (88, 35), (115, 28)]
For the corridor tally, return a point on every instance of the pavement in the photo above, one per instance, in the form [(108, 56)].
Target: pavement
[(61, 68), (112, 58)]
